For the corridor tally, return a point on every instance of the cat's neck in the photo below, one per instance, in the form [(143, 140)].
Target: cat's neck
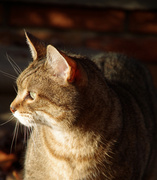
[(100, 111), (68, 136), (74, 143), (89, 129)]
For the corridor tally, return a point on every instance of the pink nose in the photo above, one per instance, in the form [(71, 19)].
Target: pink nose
[(12, 109)]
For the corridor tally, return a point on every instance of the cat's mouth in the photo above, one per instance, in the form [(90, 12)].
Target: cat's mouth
[(24, 118)]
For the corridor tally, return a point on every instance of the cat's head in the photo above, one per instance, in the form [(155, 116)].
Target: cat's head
[(53, 90), (47, 92)]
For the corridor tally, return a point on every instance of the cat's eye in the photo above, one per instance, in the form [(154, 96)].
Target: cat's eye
[(30, 95)]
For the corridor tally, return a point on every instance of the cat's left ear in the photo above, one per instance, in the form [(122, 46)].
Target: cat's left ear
[(63, 66), (37, 47)]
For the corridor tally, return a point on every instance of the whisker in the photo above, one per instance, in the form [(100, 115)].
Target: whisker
[(15, 89), (29, 130), (23, 130), (8, 75), (25, 134), (14, 136), (14, 65), (2, 124)]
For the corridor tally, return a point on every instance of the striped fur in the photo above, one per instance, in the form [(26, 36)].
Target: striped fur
[(86, 125)]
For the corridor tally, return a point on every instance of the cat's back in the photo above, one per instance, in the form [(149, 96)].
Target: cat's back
[(130, 75), (133, 85), (123, 70)]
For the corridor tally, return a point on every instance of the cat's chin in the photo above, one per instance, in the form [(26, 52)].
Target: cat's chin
[(24, 119)]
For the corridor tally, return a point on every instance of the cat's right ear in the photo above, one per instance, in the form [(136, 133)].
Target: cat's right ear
[(64, 67), (37, 47)]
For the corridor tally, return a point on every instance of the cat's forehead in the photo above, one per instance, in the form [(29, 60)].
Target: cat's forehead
[(36, 77), (31, 72), (22, 81)]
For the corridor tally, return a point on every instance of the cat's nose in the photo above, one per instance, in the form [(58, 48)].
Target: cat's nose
[(12, 109)]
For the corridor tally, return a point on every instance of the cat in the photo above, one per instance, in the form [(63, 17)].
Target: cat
[(87, 124)]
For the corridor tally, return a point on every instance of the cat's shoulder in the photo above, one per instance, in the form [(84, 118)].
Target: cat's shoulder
[(121, 67)]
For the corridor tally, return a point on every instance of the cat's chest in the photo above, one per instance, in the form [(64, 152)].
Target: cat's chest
[(59, 159)]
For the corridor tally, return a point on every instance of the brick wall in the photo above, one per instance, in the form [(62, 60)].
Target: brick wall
[(132, 32)]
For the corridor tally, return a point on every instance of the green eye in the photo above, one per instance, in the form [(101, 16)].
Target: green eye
[(32, 95)]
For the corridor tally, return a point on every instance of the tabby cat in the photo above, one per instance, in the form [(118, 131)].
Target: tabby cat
[(87, 124)]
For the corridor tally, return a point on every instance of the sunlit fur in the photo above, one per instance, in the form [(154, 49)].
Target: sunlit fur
[(86, 126)]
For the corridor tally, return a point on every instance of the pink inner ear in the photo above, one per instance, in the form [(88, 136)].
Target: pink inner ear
[(62, 68), (72, 70), (62, 65)]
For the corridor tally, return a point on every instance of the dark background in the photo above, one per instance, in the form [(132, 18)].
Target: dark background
[(125, 26)]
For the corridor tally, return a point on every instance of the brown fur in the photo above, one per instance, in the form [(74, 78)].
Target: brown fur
[(86, 125)]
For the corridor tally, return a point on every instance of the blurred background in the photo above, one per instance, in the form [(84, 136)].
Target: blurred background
[(128, 27)]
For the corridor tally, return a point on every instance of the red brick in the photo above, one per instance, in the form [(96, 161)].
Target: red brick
[(73, 18), (143, 22), (142, 48)]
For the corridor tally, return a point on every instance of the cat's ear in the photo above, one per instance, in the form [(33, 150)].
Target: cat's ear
[(37, 47), (62, 65)]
